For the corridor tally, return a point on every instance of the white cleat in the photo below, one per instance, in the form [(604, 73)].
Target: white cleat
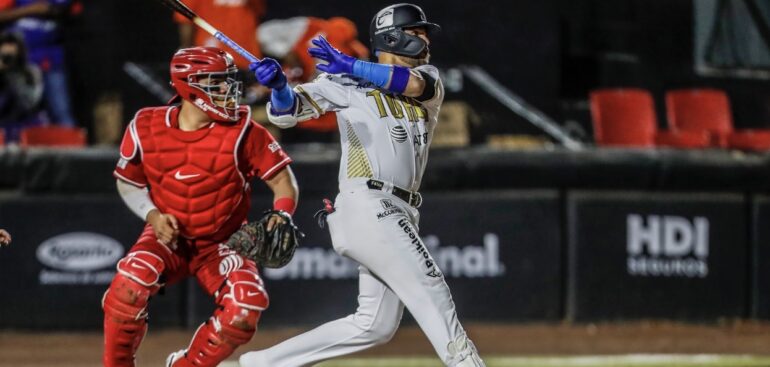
[(173, 357)]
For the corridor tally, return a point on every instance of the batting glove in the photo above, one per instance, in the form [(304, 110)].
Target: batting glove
[(336, 61), (269, 73)]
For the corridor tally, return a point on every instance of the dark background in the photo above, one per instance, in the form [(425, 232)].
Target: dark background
[(558, 212), (549, 52)]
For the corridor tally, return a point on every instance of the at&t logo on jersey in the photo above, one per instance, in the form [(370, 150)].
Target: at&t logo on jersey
[(667, 246), (398, 133)]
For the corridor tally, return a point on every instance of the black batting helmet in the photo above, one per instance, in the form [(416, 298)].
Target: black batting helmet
[(386, 32)]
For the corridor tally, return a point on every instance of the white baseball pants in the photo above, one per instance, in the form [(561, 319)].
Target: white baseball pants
[(379, 231)]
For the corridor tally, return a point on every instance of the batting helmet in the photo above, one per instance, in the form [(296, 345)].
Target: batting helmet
[(207, 77), (386, 32)]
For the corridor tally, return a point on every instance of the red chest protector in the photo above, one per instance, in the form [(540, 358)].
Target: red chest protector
[(194, 175)]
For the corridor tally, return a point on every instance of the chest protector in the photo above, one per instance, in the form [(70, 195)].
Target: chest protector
[(194, 175)]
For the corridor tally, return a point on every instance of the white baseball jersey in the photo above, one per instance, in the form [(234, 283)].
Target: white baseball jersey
[(384, 136)]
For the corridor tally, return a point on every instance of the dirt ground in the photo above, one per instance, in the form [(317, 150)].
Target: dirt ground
[(25, 349)]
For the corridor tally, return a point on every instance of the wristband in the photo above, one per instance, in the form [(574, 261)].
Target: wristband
[(391, 77), (399, 80), (282, 100), (286, 204)]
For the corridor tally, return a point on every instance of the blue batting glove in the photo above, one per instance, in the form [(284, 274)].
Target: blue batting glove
[(269, 73), (336, 61)]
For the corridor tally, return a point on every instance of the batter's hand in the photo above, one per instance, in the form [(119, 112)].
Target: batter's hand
[(165, 226), (269, 73), (336, 61), (5, 238)]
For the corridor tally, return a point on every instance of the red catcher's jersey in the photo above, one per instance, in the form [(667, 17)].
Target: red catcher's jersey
[(201, 177)]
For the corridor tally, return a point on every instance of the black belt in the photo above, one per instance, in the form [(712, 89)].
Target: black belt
[(412, 198)]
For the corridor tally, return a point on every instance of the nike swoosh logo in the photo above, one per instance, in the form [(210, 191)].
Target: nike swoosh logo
[(250, 294), (180, 176)]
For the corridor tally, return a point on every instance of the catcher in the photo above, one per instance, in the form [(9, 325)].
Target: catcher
[(185, 169)]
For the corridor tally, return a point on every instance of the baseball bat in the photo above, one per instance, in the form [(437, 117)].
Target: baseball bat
[(179, 7)]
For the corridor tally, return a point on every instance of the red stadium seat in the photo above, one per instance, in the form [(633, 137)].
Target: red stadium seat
[(709, 110), (53, 136), (626, 117)]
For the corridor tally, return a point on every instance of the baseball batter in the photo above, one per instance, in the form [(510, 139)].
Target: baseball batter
[(386, 113)]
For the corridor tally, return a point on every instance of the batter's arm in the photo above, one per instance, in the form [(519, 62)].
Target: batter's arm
[(395, 78), (421, 86), (288, 105)]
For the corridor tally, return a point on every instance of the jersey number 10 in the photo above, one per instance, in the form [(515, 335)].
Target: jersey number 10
[(398, 106)]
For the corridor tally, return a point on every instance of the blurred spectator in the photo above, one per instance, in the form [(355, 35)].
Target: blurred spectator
[(39, 21), (5, 238), (108, 118), (21, 88), (238, 19), (288, 40)]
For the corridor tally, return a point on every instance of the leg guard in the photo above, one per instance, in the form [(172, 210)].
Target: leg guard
[(464, 354), (241, 302), (125, 306)]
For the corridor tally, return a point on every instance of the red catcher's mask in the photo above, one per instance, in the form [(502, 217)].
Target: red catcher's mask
[(207, 77)]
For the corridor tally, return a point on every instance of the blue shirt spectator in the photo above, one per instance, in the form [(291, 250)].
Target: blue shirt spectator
[(39, 23)]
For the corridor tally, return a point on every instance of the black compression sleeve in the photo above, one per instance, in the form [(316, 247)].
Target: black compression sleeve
[(430, 87)]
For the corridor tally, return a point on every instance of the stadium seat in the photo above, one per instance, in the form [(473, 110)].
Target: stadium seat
[(626, 117), (53, 136), (709, 110)]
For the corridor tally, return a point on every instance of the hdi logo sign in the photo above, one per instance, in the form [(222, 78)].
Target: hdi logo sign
[(667, 246)]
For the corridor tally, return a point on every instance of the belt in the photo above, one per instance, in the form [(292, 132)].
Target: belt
[(412, 198)]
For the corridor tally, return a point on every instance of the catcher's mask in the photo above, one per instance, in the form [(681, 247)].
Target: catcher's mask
[(207, 77)]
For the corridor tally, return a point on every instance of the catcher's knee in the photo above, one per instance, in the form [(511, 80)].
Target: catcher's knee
[(241, 301), (136, 281)]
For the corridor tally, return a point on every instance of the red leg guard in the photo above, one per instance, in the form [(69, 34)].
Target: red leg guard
[(125, 304), (241, 302)]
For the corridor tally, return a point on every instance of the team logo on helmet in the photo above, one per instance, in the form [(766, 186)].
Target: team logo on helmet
[(387, 30), (385, 18)]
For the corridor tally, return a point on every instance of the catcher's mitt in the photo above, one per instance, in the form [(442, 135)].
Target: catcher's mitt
[(272, 249)]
